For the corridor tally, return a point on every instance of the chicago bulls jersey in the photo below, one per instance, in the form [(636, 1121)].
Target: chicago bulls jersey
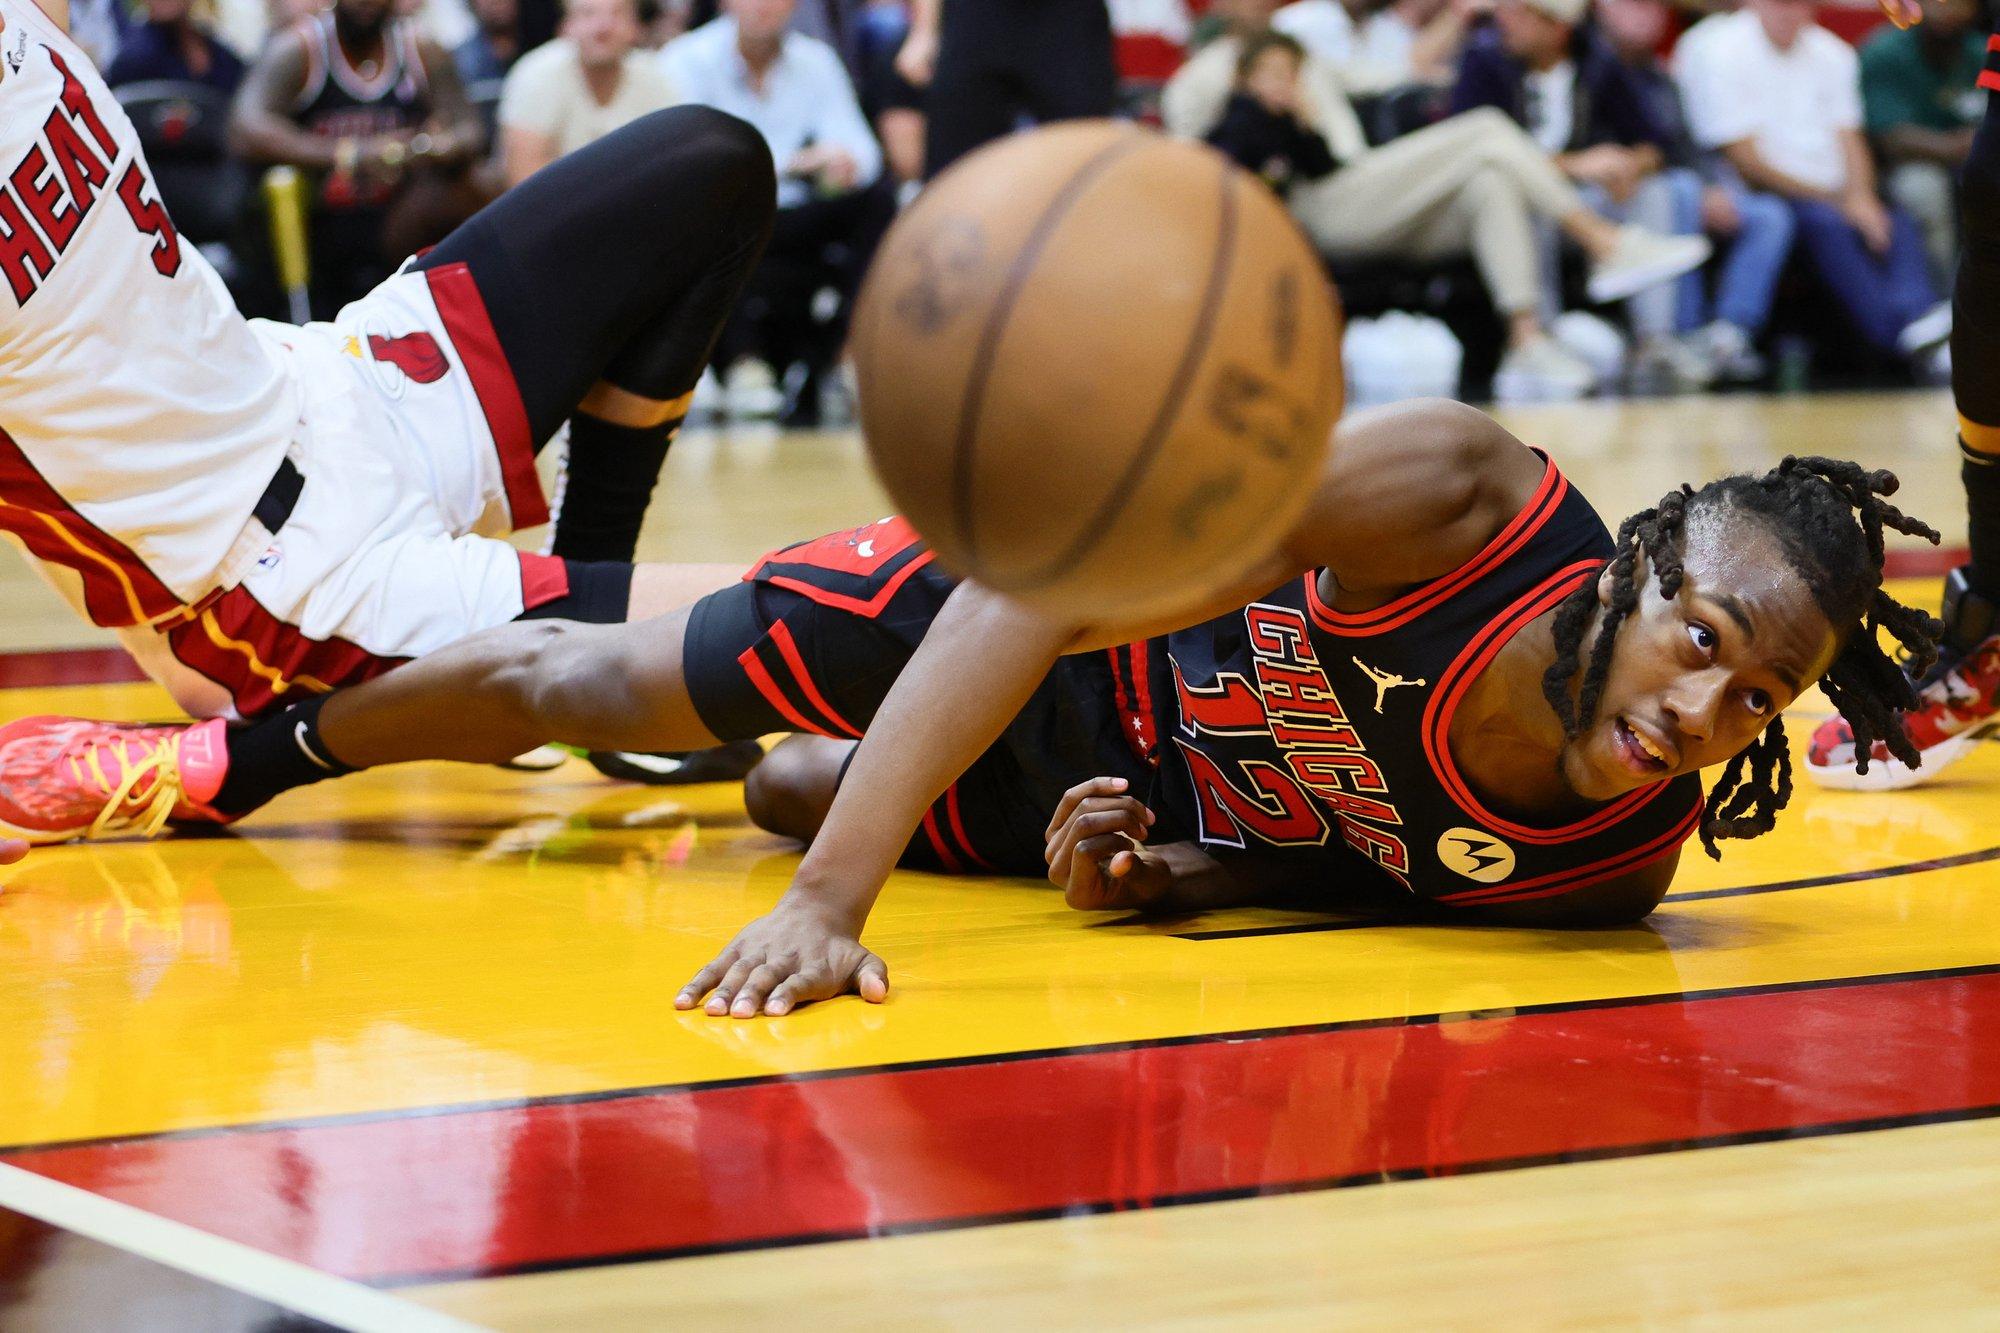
[(141, 417), (1290, 725), (338, 102)]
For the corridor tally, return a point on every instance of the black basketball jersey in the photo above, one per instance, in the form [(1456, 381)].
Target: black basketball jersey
[(339, 102), (1290, 725)]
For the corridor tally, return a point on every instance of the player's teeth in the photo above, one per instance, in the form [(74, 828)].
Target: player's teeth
[(1645, 744)]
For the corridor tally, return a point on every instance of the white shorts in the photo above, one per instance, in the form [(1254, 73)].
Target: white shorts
[(416, 454)]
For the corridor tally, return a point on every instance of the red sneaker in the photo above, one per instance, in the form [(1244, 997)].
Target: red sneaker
[(1960, 706), (64, 777)]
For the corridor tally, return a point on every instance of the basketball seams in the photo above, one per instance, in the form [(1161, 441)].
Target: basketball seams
[(987, 353), (1221, 264)]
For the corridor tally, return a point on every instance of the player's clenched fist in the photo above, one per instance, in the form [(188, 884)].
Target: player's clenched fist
[(792, 956), (1096, 851)]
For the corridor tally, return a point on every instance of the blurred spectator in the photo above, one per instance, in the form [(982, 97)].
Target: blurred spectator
[(1375, 46), (580, 87), (1564, 84), (99, 27), (833, 205), (1260, 128), (1720, 334), (987, 65), (170, 45), (1472, 185), (379, 116), (1920, 95), (893, 104), (1780, 96), (494, 46)]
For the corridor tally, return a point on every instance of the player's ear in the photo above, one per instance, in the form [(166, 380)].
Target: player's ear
[(1604, 582)]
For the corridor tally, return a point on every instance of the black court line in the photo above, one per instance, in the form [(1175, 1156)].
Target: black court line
[(1098, 1207), (1699, 895), (13, 1152)]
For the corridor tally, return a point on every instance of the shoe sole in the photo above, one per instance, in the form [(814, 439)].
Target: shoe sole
[(1894, 774), (1633, 281), (38, 837)]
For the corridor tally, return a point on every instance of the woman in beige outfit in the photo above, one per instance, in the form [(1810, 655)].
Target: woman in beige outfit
[(1472, 185)]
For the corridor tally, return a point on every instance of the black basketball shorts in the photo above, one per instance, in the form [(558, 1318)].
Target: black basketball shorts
[(814, 636)]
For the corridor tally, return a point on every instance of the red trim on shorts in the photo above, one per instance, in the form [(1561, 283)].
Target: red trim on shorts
[(466, 323), (118, 588), (788, 649), (958, 830), (544, 579), (1548, 497), (1582, 877), (1457, 678), (944, 856), (265, 662), (753, 669), (868, 609), (1134, 702), (1989, 80)]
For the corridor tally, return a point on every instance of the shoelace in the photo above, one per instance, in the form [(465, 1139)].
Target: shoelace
[(126, 807)]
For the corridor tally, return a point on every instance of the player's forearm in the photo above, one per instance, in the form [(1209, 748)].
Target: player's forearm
[(1204, 883), (980, 660), (1860, 164)]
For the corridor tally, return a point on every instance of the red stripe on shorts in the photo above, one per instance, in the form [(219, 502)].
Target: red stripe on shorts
[(544, 579), (470, 329), (788, 649), (958, 830), (264, 662), (944, 854), (753, 670)]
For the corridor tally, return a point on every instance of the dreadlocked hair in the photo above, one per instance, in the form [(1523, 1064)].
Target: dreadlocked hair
[(1814, 507)]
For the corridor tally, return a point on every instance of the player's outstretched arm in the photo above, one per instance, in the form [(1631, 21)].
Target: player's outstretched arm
[(980, 660)]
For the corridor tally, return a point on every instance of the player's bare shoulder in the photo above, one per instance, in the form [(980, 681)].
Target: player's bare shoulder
[(1412, 491)]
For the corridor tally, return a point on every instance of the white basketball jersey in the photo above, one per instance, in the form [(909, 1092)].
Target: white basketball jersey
[(141, 417)]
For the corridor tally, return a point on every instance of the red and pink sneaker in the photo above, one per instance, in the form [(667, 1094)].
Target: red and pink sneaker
[(1958, 707), (63, 777)]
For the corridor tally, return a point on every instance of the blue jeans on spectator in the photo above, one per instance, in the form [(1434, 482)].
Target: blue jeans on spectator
[(1882, 294), (1747, 279)]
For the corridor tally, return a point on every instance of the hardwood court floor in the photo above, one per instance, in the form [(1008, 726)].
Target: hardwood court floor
[(415, 1029)]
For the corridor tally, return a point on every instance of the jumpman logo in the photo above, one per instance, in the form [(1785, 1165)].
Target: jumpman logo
[(1384, 681)]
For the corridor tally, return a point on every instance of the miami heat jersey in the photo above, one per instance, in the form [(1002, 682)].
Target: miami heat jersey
[(140, 416), (1290, 726)]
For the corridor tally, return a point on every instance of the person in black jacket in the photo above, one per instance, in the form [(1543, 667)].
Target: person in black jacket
[(1261, 128)]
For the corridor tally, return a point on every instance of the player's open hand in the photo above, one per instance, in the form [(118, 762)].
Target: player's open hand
[(1096, 851), (793, 956)]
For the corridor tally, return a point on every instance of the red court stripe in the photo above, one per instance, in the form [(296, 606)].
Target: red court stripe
[(68, 666), (1923, 562), (562, 1183)]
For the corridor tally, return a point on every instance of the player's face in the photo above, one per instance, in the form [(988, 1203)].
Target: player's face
[(1695, 680)]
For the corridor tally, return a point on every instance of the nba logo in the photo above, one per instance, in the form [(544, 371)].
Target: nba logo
[(273, 557)]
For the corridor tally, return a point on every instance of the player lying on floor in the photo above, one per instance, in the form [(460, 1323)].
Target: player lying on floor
[(1477, 697), (263, 512)]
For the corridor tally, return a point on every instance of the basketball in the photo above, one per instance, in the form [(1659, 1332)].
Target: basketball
[(1098, 369)]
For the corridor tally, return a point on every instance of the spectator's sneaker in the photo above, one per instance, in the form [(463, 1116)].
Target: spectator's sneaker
[(64, 777), (1928, 330), (722, 763), (1542, 371), (1958, 706), (1670, 365), (752, 392), (1730, 351), (1644, 259)]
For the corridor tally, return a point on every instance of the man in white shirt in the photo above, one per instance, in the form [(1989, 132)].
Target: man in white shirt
[(580, 87), (833, 204), (1780, 97), (1403, 42)]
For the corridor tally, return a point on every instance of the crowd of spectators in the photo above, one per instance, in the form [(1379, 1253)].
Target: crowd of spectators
[(1713, 186)]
